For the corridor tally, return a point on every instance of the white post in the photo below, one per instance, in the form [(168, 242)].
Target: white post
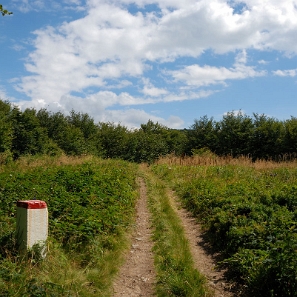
[(32, 225)]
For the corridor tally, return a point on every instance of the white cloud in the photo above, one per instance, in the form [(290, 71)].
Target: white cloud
[(108, 47), (290, 72), (239, 112), (18, 47), (134, 117), (98, 109), (119, 84), (150, 90), (3, 95), (188, 95), (76, 2), (105, 106), (241, 58), (263, 62), (26, 6), (195, 75)]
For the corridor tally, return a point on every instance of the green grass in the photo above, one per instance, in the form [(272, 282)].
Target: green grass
[(91, 208), (250, 216), (176, 275)]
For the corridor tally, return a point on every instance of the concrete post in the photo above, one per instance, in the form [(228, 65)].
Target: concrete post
[(32, 225)]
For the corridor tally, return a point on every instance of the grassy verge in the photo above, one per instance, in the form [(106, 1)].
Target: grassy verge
[(91, 206), (250, 215), (176, 275)]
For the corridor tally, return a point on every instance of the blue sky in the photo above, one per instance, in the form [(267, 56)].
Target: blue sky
[(170, 61)]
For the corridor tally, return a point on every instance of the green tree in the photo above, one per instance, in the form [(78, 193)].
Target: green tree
[(156, 140), (4, 11), (54, 123), (151, 127), (6, 131), (28, 135), (88, 128), (201, 135), (234, 134), (290, 136), (268, 137), (145, 147), (68, 132), (112, 140), (170, 140), (176, 141), (84, 122), (64, 132), (71, 141)]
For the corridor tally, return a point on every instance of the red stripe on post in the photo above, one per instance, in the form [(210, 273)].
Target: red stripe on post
[(32, 204)]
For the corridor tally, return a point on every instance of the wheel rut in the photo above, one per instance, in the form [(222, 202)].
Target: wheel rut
[(204, 260), (137, 276)]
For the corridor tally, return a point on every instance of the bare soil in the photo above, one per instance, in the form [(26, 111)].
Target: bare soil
[(137, 276)]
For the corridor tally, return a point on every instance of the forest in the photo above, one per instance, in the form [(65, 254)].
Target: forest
[(39, 132)]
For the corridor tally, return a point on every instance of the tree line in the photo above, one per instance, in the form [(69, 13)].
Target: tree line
[(260, 136), (32, 132)]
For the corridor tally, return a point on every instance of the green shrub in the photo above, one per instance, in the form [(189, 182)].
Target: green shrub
[(249, 216), (90, 206)]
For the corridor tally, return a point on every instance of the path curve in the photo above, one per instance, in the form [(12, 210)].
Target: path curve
[(137, 277)]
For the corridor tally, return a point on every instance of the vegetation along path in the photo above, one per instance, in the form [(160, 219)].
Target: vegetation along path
[(178, 249)]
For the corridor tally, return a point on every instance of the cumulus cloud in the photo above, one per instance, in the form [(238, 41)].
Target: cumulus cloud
[(289, 72), (98, 109), (195, 75), (150, 90), (132, 117), (109, 46)]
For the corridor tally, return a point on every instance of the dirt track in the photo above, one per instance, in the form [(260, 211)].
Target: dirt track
[(137, 276)]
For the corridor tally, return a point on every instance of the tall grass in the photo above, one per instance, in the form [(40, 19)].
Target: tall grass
[(214, 160), (249, 213), (30, 161), (91, 208)]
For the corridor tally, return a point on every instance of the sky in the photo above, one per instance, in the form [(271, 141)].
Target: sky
[(169, 61)]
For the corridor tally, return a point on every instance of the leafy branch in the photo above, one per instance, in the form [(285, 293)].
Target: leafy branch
[(4, 11)]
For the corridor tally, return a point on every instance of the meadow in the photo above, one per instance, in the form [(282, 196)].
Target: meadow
[(249, 214), (91, 206), (248, 211)]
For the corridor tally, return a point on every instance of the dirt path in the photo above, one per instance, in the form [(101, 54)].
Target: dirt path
[(204, 261), (137, 276)]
